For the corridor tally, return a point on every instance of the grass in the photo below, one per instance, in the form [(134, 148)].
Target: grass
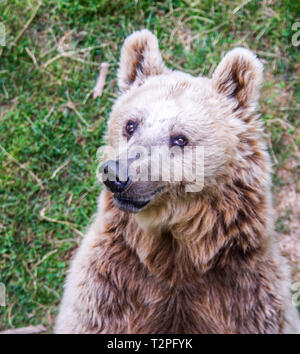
[(50, 126)]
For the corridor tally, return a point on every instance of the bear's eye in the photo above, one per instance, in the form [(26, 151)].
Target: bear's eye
[(130, 127), (179, 140)]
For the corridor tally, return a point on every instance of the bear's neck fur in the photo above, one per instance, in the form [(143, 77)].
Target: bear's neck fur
[(226, 224)]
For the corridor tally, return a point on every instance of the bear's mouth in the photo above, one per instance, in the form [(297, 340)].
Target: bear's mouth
[(130, 205)]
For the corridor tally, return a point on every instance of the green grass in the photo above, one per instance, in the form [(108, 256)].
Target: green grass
[(40, 131)]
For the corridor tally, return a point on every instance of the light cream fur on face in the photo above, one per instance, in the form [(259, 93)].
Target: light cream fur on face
[(165, 103)]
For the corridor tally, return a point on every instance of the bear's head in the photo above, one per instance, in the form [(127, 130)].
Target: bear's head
[(170, 133)]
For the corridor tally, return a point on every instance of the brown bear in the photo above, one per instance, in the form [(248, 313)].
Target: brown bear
[(158, 258)]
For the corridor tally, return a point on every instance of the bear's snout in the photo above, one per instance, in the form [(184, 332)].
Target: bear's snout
[(115, 177)]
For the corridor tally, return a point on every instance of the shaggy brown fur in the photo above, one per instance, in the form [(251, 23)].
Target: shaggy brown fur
[(203, 262)]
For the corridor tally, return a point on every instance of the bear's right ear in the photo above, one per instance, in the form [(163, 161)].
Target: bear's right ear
[(140, 58)]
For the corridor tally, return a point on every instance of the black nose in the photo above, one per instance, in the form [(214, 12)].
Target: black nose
[(115, 176)]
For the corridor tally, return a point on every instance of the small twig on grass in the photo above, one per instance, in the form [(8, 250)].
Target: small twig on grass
[(28, 22), (72, 106), (196, 17), (84, 61), (61, 55), (5, 91), (45, 257), (23, 167), (67, 223), (25, 330), (237, 9), (70, 54), (101, 80), (49, 114), (32, 57), (59, 168), (269, 142), (87, 96), (59, 242), (283, 122)]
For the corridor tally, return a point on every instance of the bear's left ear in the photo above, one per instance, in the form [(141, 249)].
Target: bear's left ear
[(239, 76), (140, 58)]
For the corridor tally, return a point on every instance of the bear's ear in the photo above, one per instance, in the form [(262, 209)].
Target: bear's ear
[(140, 58), (239, 76)]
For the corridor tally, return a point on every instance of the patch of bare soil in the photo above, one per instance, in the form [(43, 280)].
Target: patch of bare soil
[(287, 206)]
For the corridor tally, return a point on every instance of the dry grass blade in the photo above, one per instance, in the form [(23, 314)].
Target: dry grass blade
[(28, 23), (28, 51), (72, 106), (62, 222), (101, 80), (59, 168), (45, 257), (39, 182), (61, 55), (237, 9), (72, 55)]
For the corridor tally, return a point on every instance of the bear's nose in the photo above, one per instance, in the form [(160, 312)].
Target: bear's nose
[(115, 176)]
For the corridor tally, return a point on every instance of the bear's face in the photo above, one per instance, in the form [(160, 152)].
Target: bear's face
[(171, 132)]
